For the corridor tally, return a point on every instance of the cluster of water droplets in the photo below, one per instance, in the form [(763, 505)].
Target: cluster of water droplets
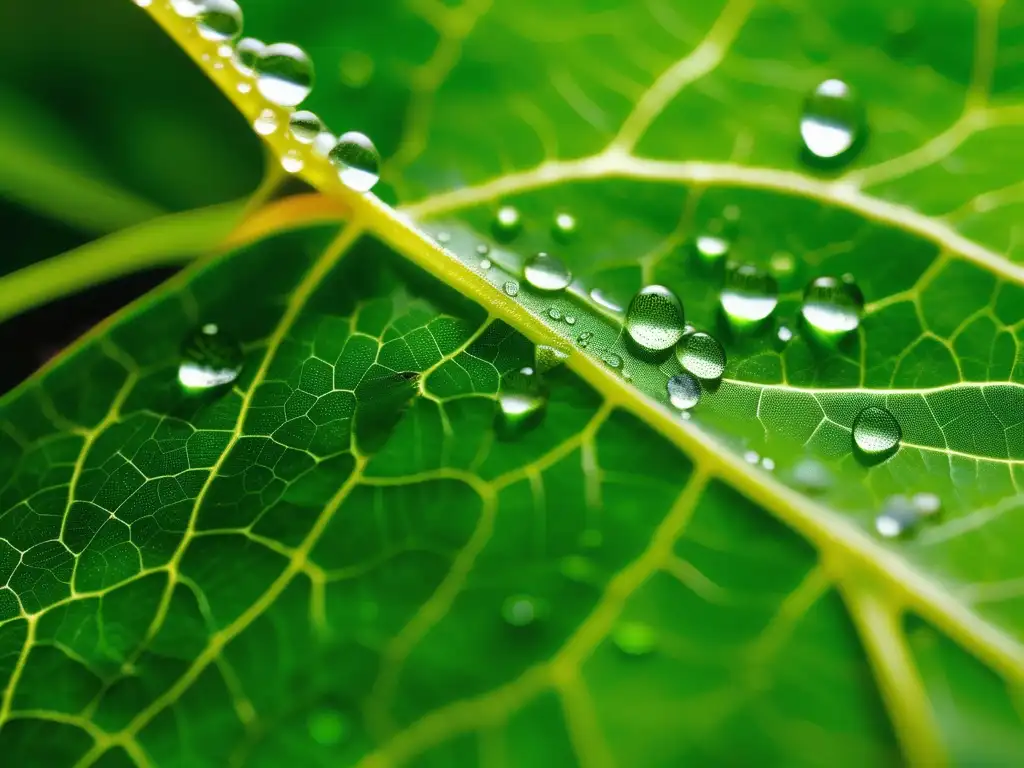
[(283, 74)]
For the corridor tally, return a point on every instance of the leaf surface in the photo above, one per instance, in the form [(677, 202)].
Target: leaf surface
[(331, 561)]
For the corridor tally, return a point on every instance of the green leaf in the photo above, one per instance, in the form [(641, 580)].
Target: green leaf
[(337, 561)]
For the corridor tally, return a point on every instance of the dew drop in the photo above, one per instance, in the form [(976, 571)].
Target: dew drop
[(811, 477), (555, 313), (357, 161), (483, 249), (209, 359), (570, 320), (522, 398), (711, 248), (927, 504), (485, 264), (768, 463), (247, 52), (751, 457), (328, 727), (292, 161), (702, 355), (749, 295), (564, 227), (832, 306), (612, 360), (305, 126), (507, 223), (244, 87), (782, 264), (548, 357), (900, 516), (443, 238), (876, 431), (511, 288), (219, 20), (634, 638), (143, 3), (654, 319), (547, 273), (521, 610), (584, 338), (266, 123), (683, 391), (832, 120), (284, 74), (188, 9), (785, 334)]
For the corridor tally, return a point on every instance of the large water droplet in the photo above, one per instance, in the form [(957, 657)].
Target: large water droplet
[(328, 727), (209, 359), (284, 74), (266, 122), (683, 391), (357, 161), (507, 223), (832, 306), (832, 120), (522, 398), (702, 355), (634, 638), (876, 431), (305, 126), (522, 610), (564, 227), (655, 319), (749, 295), (219, 20), (247, 52), (547, 273)]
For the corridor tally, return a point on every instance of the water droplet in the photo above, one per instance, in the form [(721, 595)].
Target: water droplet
[(292, 161), (683, 391), (444, 238), (711, 247), (485, 264), (749, 295), (634, 638), (654, 319), (832, 306), (782, 264), (511, 288), (832, 120), (751, 457), (324, 143), (584, 339), (483, 249), (701, 354), (357, 161), (785, 335), (601, 298), (811, 476), (219, 20), (188, 9), (570, 320), (876, 431), (143, 3), (328, 727), (612, 360), (225, 51), (522, 610), (209, 359), (244, 87), (266, 123), (305, 126), (522, 398), (507, 223), (768, 463), (927, 504), (900, 515), (284, 74), (247, 52), (548, 357), (564, 227), (555, 313), (547, 273)]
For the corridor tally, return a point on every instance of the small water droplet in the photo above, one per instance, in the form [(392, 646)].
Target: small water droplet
[(188, 9), (292, 161), (555, 313), (485, 264), (219, 20), (507, 223), (305, 126), (284, 74), (266, 123), (811, 476), (511, 288), (711, 248), (209, 359), (244, 87), (654, 319), (782, 264), (324, 143), (247, 52), (584, 339), (832, 306), (683, 391), (547, 273), (900, 516), (876, 431), (768, 463), (749, 295), (569, 319), (357, 161), (785, 335), (521, 610), (701, 354), (751, 457), (612, 360), (483, 249), (927, 504), (634, 638), (832, 120), (522, 398), (564, 227), (328, 727), (548, 357)]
